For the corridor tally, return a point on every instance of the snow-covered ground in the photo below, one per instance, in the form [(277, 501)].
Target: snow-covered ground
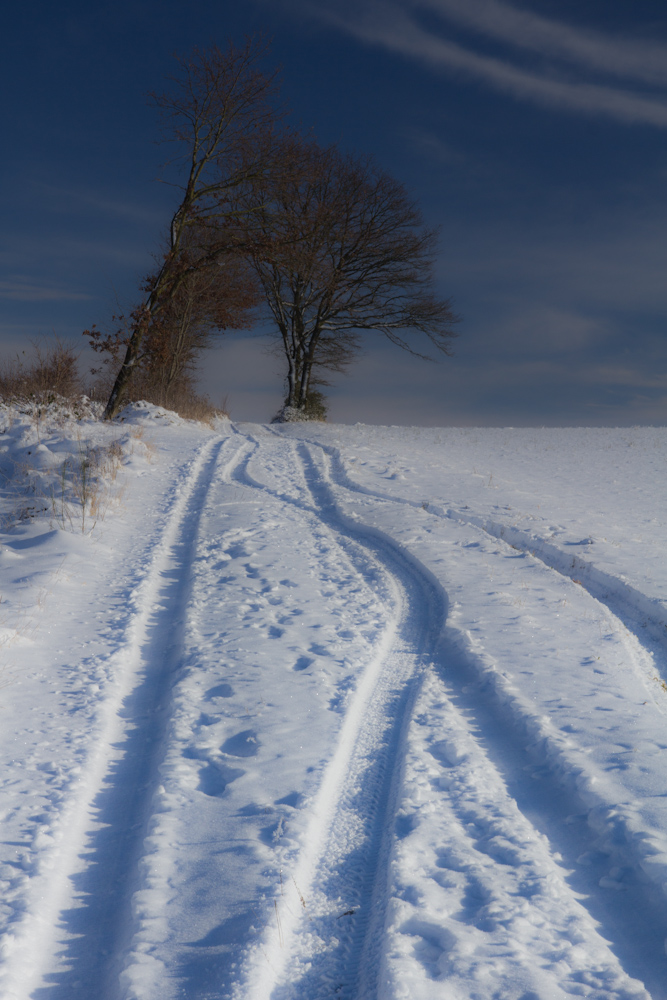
[(332, 712)]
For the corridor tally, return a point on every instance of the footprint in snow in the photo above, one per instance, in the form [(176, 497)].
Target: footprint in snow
[(219, 691), (292, 800), (318, 649), (448, 752), (237, 551), (244, 744), (345, 633), (404, 825), (214, 778), (207, 720)]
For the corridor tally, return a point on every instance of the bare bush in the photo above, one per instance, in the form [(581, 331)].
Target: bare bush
[(49, 372), (182, 397)]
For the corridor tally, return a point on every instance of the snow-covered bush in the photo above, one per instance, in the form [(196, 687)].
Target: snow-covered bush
[(315, 409), (57, 462)]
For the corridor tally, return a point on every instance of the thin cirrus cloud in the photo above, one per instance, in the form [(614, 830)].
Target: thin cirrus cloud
[(642, 61), (25, 290), (64, 199), (576, 57)]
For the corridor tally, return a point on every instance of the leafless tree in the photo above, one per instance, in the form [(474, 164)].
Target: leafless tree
[(343, 250), (221, 111), (207, 301)]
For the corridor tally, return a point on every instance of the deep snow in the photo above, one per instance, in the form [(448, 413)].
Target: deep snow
[(324, 711)]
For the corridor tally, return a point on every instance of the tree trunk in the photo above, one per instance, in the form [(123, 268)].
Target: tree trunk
[(126, 370)]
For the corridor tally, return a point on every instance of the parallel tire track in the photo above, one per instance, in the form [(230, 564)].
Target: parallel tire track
[(503, 708), (293, 962), (643, 616), (91, 936), (334, 948), (344, 860)]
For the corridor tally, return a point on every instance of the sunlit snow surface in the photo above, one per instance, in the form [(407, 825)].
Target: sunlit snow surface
[(334, 712)]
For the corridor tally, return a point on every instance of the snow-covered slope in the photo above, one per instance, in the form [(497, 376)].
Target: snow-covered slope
[(327, 712)]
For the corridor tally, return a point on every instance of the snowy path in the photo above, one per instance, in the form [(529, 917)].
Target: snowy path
[(482, 800), (342, 867), (348, 744), (116, 783)]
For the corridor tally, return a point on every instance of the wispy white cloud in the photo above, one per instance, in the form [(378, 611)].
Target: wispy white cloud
[(434, 146), (24, 290), (640, 60), (569, 86), (65, 199), (547, 329), (626, 376)]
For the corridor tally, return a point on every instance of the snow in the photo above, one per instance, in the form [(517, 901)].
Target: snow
[(318, 711)]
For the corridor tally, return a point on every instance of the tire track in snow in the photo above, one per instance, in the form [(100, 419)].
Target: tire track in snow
[(342, 867), (242, 589), (510, 720), (480, 899), (639, 614), (293, 960), (642, 619), (83, 921)]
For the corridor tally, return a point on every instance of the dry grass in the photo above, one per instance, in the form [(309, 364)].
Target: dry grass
[(50, 372), (44, 385), (83, 493), (193, 406), (181, 398), (139, 444), (74, 494)]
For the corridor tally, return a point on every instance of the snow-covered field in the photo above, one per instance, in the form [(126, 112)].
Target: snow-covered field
[(332, 712)]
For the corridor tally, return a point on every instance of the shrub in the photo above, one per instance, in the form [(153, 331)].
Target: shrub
[(315, 408), (181, 397), (51, 372)]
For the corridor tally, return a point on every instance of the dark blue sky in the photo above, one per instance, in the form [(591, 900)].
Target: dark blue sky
[(534, 134)]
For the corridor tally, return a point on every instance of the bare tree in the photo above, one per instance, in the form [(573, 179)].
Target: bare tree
[(206, 302), (344, 250), (221, 111)]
